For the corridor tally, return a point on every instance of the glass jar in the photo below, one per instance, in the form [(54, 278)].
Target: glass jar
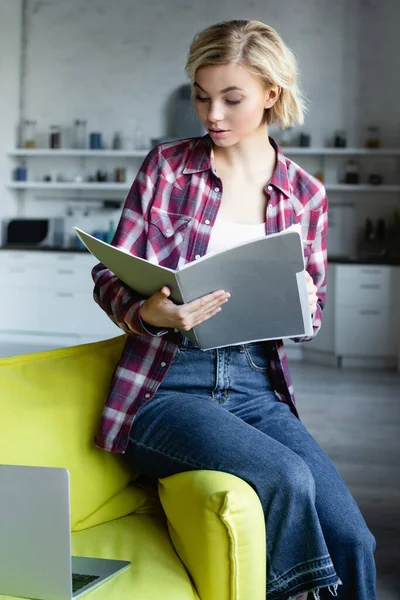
[(29, 133), (373, 137), (80, 135), (140, 140), (351, 173), (286, 137), (117, 141), (55, 137), (340, 140)]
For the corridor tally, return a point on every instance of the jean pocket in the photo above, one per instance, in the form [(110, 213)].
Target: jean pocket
[(256, 357), (177, 356)]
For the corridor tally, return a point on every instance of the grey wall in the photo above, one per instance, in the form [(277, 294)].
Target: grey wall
[(117, 63)]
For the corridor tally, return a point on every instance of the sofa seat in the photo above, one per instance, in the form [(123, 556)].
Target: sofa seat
[(156, 570)]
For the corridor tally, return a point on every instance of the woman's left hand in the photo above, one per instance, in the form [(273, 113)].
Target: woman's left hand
[(312, 293)]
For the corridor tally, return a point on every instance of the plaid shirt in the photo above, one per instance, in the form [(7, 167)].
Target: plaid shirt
[(168, 218)]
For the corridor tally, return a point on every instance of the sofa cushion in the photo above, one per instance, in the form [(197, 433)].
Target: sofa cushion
[(50, 406)]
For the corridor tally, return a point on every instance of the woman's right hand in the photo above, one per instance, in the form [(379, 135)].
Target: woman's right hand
[(160, 311)]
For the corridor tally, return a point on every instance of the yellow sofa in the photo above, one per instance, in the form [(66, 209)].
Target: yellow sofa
[(201, 536)]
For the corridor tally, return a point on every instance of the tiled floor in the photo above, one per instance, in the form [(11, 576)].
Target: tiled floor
[(355, 417)]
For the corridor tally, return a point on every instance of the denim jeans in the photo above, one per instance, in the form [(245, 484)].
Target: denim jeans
[(215, 410)]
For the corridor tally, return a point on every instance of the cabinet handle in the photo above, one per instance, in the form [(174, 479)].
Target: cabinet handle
[(65, 294), (369, 312), (65, 271), (370, 286)]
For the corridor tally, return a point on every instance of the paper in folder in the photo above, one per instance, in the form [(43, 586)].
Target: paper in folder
[(266, 278)]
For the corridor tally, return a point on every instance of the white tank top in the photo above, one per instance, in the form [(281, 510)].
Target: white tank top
[(229, 233)]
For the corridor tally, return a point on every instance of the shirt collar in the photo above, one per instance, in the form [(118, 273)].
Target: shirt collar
[(200, 156), (280, 177), (200, 160)]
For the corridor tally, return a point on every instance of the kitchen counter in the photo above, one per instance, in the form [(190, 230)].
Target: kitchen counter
[(365, 260), (45, 249), (361, 260)]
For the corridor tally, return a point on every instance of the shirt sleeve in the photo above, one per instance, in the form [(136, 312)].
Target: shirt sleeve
[(120, 302), (317, 265)]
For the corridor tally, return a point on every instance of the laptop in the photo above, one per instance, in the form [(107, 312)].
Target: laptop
[(35, 539)]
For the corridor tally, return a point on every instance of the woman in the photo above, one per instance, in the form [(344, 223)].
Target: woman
[(173, 407)]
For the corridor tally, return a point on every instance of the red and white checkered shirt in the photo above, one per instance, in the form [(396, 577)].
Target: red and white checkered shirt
[(167, 218)]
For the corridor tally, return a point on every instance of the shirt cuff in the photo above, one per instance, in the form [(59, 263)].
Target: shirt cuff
[(151, 329)]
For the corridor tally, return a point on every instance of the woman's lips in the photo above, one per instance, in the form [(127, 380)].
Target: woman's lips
[(218, 134)]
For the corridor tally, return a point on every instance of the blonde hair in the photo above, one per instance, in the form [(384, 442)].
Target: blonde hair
[(261, 51)]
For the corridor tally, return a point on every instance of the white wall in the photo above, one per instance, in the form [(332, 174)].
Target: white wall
[(10, 56), (116, 64)]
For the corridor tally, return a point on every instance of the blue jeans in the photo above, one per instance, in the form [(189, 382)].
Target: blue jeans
[(215, 410)]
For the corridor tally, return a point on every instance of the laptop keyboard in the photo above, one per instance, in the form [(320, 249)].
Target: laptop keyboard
[(79, 581)]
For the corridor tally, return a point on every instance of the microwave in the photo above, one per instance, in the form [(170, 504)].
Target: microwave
[(32, 232)]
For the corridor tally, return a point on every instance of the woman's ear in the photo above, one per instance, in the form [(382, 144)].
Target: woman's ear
[(272, 96)]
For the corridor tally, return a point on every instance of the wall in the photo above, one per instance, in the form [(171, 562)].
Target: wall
[(117, 64), (10, 67)]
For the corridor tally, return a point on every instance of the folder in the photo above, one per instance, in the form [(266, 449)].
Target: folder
[(266, 278)]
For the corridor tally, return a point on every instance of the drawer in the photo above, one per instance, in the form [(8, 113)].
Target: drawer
[(366, 285), (366, 331), (60, 273), (71, 313)]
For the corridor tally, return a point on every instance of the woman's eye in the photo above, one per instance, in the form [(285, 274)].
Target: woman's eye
[(233, 101), (201, 99)]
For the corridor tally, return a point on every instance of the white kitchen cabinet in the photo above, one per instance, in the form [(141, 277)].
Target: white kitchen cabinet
[(360, 324), (46, 299)]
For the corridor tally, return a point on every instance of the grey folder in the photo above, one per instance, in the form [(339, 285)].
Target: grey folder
[(266, 279)]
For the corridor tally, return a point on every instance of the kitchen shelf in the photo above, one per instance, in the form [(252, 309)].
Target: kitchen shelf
[(359, 187), (288, 150), (38, 185), (45, 152)]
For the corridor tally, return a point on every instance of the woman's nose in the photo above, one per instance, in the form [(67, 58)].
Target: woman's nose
[(216, 113)]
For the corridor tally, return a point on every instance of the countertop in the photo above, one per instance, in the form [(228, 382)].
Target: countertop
[(353, 260)]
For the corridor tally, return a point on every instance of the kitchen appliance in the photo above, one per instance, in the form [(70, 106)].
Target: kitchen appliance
[(33, 232), (342, 234)]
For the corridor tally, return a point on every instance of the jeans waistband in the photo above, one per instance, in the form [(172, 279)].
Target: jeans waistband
[(189, 344)]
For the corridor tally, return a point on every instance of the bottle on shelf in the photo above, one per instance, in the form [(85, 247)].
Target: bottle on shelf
[(286, 137), (110, 232), (80, 135), (319, 175), (55, 137), (117, 141), (304, 140), (29, 133), (373, 139), (140, 141), (340, 139), (351, 172)]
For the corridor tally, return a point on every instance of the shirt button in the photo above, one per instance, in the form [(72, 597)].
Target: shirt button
[(216, 189), (207, 221), (197, 256), (269, 187), (270, 207), (163, 364), (147, 395), (168, 231)]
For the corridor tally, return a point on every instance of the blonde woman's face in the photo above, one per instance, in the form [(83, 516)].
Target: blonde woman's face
[(230, 102)]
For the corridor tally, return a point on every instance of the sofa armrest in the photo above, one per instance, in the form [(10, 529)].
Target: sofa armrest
[(217, 526)]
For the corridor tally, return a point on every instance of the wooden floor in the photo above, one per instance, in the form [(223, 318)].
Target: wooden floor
[(354, 415)]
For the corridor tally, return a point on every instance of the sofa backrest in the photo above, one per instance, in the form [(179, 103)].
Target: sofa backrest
[(50, 406)]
